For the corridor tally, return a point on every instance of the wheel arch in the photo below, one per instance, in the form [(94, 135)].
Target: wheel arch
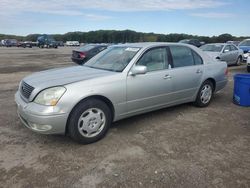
[(99, 97), (213, 82)]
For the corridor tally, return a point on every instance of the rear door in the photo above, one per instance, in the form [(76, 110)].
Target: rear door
[(235, 53), (186, 73)]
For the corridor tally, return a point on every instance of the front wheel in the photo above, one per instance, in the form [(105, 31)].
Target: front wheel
[(238, 62), (89, 121), (205, 94)]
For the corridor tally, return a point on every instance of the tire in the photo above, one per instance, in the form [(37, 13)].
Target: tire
[(89, 121), (238, 62), (205, 94), (248, 68)]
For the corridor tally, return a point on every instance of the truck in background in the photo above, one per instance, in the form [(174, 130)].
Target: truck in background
[(46, 41)]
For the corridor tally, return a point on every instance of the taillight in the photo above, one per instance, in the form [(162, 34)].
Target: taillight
[(226, 72), (82, 55)]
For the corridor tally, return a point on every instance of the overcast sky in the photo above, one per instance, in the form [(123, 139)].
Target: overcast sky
[(198, 17)]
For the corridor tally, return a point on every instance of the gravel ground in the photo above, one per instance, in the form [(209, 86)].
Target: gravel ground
[(182, 146)]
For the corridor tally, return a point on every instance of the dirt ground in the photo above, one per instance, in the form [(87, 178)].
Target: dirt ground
[(182, 146)]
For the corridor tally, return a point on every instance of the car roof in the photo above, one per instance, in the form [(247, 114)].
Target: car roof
[(219, 44), (149, 44)]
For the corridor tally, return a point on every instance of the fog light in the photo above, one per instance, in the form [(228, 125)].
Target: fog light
[(38, 127)]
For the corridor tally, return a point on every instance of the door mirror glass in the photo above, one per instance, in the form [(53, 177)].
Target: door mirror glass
[(226, 50), (138, 69)]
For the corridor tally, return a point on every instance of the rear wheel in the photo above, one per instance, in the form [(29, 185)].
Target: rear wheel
[(89, 121), (205, 94)]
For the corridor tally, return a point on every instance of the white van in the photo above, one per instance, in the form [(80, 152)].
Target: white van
[(72, 43)]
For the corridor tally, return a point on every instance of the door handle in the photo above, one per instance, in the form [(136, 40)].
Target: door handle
[(199, 71), (167, 77)]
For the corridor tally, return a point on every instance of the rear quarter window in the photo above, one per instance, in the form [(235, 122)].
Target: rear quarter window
[(197, 58)]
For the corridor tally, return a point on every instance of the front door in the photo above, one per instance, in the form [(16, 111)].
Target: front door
[(226, 55), (153, 89)]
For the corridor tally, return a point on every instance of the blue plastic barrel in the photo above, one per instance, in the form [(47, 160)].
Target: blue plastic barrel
[(242, 89)]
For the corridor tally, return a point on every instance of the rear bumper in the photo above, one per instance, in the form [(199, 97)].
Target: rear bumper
[(78, 60), (44, 121), (220, 85)]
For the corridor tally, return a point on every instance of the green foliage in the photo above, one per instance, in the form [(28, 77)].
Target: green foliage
[(113, 36), (19, 38)]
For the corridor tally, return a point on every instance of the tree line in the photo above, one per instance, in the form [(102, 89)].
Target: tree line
[(114, 36)]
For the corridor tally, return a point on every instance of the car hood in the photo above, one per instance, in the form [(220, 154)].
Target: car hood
[(213, 54), (63, 76)]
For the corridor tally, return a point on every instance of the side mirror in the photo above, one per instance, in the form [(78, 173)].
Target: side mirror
[(225, 51), (138, 69)]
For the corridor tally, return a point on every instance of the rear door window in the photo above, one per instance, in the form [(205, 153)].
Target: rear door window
[(233, 48), (182, 56)]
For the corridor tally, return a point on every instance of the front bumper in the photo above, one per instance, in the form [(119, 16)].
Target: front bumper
[(39, 118), (245, 56)]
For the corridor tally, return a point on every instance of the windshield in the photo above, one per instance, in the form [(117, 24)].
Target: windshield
[(113, 59), (212, 47), (245, 43), (87, 47)]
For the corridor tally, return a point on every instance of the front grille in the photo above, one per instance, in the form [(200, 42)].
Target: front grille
[(26, 90)]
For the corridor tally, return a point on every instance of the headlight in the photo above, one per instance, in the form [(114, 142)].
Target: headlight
[(50, 96), (246, 54)]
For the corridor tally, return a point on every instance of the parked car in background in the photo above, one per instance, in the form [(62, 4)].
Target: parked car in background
[(26, 44), (60, 43), (2, 42), (248, 64), (236, 43), (245, 46), (86, 52), (72, 43), (120, 82), (10, 42), (194, 42), (224, 52)]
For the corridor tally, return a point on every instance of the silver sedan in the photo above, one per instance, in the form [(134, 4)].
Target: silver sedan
[(122, 81), (224, 52)]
